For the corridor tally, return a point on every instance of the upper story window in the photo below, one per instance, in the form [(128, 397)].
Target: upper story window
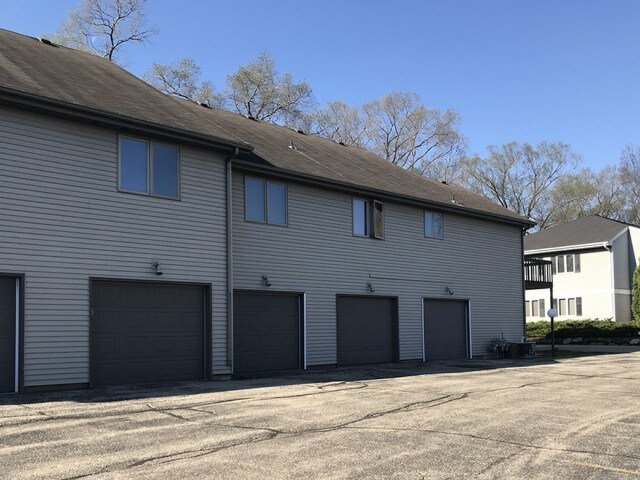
[(432, 224), (368, 218), (265, 201), (149, 168), (566, 263)]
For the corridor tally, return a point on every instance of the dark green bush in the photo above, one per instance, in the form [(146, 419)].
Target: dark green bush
[(583, 328)]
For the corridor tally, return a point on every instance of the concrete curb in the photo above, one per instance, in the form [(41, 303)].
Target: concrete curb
[(591, 348)]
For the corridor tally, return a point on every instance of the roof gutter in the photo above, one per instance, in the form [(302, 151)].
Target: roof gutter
[(58, 108), (305, 179), (566, 248)]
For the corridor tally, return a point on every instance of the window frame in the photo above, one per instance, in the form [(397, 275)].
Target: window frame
[(569, 309), (373, 220), (562, 307), (178, 169), (367, 218), (149, 161), (266, 182), (424, 224), (564, 261)]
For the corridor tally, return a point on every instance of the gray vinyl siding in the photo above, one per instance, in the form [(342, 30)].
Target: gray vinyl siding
[(317, 254), (622, 275), (623, 307), (63, 222), (622, 271)]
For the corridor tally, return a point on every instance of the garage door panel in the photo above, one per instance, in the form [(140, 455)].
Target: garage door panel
[(366, 330), (7, 333), (266, 332), (137, 336), (445, 329)]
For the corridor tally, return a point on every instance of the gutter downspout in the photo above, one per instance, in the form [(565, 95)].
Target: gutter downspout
[(229, 186), (613, 283), (524, 291)]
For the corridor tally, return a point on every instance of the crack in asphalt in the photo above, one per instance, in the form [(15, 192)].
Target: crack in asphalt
[(270, 434), (49, 417), (497, 440), (499, 462)]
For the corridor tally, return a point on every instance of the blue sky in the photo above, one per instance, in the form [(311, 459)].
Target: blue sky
[(515, 70)]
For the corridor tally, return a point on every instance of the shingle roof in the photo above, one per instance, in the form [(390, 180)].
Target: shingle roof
[(49, 72), (74, 78), (583, 231), (319, 157)]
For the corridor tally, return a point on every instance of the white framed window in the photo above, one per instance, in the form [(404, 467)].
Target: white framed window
[(148, 168), (535, 311), (265, 201), (527, 308), (562, 307), (566, 263), (571, 303), (433, 224), (542, 312)]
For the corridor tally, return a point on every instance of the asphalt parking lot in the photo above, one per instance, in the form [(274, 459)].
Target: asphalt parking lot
[(575, 418)]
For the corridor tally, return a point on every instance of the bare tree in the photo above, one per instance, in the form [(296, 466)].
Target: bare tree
[(182, 79), (259, 91), (520, 177), (587, 193), (103, 27), (630, 179), (402, 130), (340, 122)]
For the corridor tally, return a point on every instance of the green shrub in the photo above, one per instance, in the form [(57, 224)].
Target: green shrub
[(635, 295), (590, 328)]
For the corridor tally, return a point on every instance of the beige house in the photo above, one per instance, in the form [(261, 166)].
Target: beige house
[(593, 259)]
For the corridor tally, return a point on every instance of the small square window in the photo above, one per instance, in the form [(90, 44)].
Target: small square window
[(149, 168), (432, 224), (265, 201)]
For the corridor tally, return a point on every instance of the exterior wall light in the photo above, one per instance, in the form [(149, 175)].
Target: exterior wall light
[(448, 290), (265, 281), (370, 287), (156, 265)]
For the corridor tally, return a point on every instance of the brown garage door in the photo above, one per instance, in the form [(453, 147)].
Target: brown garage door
[(445, 329), (7, 333), (146, 332), (266, 332), (367, 330)]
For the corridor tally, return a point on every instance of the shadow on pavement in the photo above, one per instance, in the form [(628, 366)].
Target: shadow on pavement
[(245, 382)]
